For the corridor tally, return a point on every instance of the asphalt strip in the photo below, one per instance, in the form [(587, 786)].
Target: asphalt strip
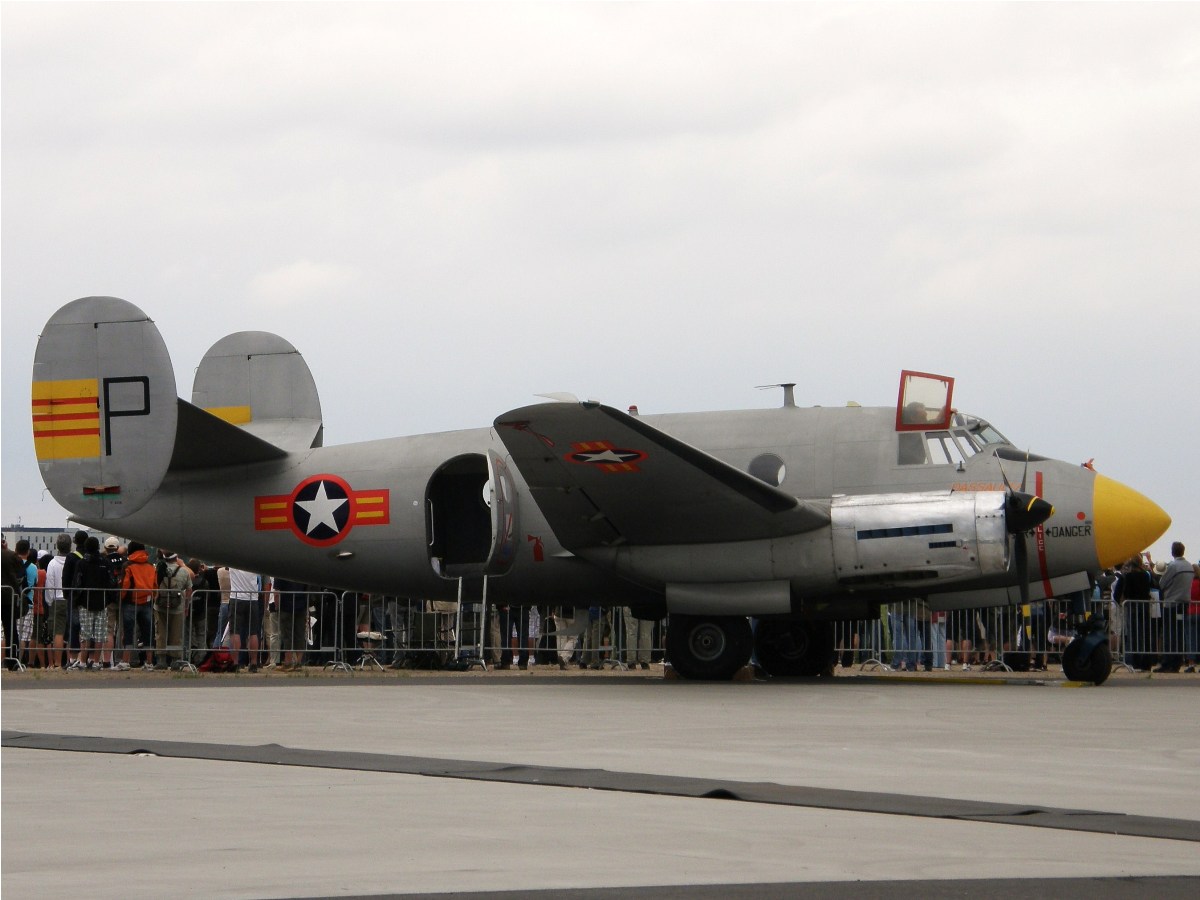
[(630, 782)]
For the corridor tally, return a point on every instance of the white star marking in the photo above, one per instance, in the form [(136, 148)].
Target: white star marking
[(320, 510), (608, 456)]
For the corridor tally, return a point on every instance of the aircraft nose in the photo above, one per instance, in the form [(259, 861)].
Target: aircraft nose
[(1125, 522)]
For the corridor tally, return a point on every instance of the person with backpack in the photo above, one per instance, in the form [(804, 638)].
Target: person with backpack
[(24, 624), (112, 604), (91, 584), (138, 589), (174, 589), (73, 558)]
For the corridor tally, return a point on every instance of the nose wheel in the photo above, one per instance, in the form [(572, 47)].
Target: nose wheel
[(1078, 665)]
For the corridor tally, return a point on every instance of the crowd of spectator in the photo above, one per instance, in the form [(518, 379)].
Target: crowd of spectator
[(94, 607), (88, 607)]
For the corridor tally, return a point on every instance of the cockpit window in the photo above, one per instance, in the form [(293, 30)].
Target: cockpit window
[(968, 436), (982, 432), (943, 449)]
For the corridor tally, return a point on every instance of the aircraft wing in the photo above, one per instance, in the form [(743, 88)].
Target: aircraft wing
[(603, 478)]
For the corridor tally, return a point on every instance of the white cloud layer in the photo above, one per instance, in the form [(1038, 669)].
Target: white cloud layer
[(450, 207)]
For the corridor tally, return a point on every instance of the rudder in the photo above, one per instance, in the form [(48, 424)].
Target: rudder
[(260, 382), (104, 407)]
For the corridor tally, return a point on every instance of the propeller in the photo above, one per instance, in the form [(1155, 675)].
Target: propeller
[(1023, 512)]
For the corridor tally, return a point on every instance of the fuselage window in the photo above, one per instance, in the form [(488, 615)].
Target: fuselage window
[(912, 449), (943, 451), (965, 443)]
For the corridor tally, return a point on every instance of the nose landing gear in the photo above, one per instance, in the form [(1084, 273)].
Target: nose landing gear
[(1088, 657)]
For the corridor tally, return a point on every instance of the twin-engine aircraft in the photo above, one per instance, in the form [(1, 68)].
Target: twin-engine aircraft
[(796, 517)]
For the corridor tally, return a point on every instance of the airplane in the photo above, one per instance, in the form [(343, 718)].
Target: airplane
[(755, 530)]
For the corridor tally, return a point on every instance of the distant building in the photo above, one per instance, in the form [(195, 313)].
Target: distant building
[(43, 538)]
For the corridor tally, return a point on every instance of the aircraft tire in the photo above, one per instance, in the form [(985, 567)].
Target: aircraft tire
[(708, 648), (1096, 668), (795, 647)]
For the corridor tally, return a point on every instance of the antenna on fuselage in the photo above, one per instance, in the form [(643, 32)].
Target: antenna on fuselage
[(789, 392)]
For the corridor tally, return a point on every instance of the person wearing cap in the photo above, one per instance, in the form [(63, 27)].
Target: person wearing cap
[(174, 591), (115, 559)]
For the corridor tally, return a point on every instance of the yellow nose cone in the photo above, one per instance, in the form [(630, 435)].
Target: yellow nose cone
[(1126, 523)]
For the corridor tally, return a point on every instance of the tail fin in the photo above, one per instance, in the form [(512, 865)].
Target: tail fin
[(260, 382), (104, 407)]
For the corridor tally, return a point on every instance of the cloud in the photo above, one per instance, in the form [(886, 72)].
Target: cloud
[(304, 282)]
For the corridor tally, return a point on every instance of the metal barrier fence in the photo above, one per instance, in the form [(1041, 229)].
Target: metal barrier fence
[(908, 637), (372, 632)]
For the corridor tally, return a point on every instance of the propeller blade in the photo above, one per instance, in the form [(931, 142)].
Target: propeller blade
[(1025, 471), (1004, 475), (1022, 554)]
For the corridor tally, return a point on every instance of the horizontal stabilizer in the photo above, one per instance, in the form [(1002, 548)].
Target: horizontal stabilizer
[(260, 383), (602, 477), (204, 441)]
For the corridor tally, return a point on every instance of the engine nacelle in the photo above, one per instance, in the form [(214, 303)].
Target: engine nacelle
[(919, 539)]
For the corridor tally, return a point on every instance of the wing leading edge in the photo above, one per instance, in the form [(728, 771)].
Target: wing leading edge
[(604, 478)]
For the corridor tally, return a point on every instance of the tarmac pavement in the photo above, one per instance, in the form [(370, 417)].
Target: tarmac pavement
[(597, 785)]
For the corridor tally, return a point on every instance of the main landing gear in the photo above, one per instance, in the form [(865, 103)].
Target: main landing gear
[(795, 647), (709, 648), (714, 648)]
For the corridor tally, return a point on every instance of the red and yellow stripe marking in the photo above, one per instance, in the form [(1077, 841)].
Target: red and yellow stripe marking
[(271, 513), (66, 419), (370, 508)]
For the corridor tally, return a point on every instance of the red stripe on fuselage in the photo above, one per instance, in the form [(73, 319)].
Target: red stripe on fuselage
[(1039, 537)]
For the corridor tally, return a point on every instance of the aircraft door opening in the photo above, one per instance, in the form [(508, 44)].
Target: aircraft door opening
[(470, 517)]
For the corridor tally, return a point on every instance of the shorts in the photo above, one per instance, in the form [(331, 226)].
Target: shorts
[(25, 627), (292, 630), (246, 616), (56, 617), (93, 626)]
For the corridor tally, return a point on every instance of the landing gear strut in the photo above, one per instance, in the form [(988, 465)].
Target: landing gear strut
[(795, 647), (708, 648)]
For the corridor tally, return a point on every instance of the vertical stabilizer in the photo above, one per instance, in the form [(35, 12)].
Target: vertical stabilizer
[(260, 382), (104, 407)]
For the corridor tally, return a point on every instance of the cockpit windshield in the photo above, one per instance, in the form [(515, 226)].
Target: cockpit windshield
[(981, 432), (966, 436)]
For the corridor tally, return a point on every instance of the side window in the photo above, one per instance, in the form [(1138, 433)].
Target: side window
[(943, 451), (912, 449)]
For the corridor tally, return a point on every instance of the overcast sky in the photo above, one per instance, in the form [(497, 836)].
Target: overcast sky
[(449, 208)]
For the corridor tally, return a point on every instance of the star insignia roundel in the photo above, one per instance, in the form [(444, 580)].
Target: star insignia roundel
[(605, 456), (321, 509)]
